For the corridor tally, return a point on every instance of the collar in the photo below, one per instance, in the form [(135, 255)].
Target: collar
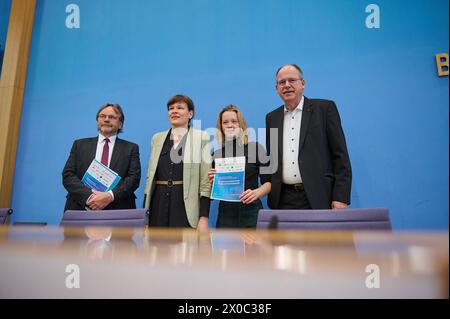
[(299, 107), (112, 139)]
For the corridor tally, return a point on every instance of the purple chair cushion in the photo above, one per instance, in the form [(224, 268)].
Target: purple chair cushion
[(327, 219), (112, 218)]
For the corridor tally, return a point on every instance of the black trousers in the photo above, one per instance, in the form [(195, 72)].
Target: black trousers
[(292, 198), (238, 215)]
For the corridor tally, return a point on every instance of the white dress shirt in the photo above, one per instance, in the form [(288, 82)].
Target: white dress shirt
[(101, 143), (291, 143), (99, 152)]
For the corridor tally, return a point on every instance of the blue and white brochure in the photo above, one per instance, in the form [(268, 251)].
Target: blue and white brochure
[(100, 177), (229, 179)]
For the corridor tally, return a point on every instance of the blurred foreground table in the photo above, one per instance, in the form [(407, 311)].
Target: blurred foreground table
[(56, 262)]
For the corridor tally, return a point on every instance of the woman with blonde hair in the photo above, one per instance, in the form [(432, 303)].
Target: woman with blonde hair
[(232, 136)]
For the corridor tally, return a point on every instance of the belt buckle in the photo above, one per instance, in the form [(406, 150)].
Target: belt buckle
[(169, 183), (298, 187)]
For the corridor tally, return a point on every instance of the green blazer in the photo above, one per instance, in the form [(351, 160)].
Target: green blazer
[(196, 163)]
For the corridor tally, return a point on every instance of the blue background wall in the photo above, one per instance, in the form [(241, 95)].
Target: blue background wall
[(5, 7), (393, 106)]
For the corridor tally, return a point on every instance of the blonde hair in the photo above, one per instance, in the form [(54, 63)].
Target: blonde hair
[(242, 124)]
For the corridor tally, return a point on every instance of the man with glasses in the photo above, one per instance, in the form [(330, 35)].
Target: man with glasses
[(308, 144), (119, 155)]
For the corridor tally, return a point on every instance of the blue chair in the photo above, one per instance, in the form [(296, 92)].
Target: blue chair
[(326, 219), (4, 212), (110, 218)]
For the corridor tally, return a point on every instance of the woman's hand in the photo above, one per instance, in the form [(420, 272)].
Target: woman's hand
[(249, 196), (211, 174), (202, 225)]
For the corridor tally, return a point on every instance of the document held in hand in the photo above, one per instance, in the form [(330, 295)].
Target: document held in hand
[(229, 179), (100, 177)]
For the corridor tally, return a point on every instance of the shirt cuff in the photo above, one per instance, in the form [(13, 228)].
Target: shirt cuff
[(112, 195)]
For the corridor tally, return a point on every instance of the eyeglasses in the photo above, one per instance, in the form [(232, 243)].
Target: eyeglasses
[(288, 81), (111, 117)]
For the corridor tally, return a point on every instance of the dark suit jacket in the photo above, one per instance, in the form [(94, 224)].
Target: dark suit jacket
[(124, 161), (323, 158)]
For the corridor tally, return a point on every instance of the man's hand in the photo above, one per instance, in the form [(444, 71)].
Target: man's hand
[(249, 196), (338, 205), (202, 225), (99, 200), (211, 174)]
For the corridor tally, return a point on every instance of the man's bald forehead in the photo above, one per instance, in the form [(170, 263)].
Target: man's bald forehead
[(292, 65)]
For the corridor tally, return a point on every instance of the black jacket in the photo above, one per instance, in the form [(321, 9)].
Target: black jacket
[(124, 161), (323, 158)]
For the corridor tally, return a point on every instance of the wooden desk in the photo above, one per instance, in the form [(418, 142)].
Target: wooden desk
[(180, 263)]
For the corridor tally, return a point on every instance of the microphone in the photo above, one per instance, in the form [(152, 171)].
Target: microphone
[(273, 224)]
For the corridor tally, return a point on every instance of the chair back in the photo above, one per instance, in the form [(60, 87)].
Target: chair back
[(4, 212), (326, 219), (110, 218)]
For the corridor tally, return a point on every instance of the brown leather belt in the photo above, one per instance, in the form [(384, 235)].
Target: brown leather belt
[(169, 183)]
